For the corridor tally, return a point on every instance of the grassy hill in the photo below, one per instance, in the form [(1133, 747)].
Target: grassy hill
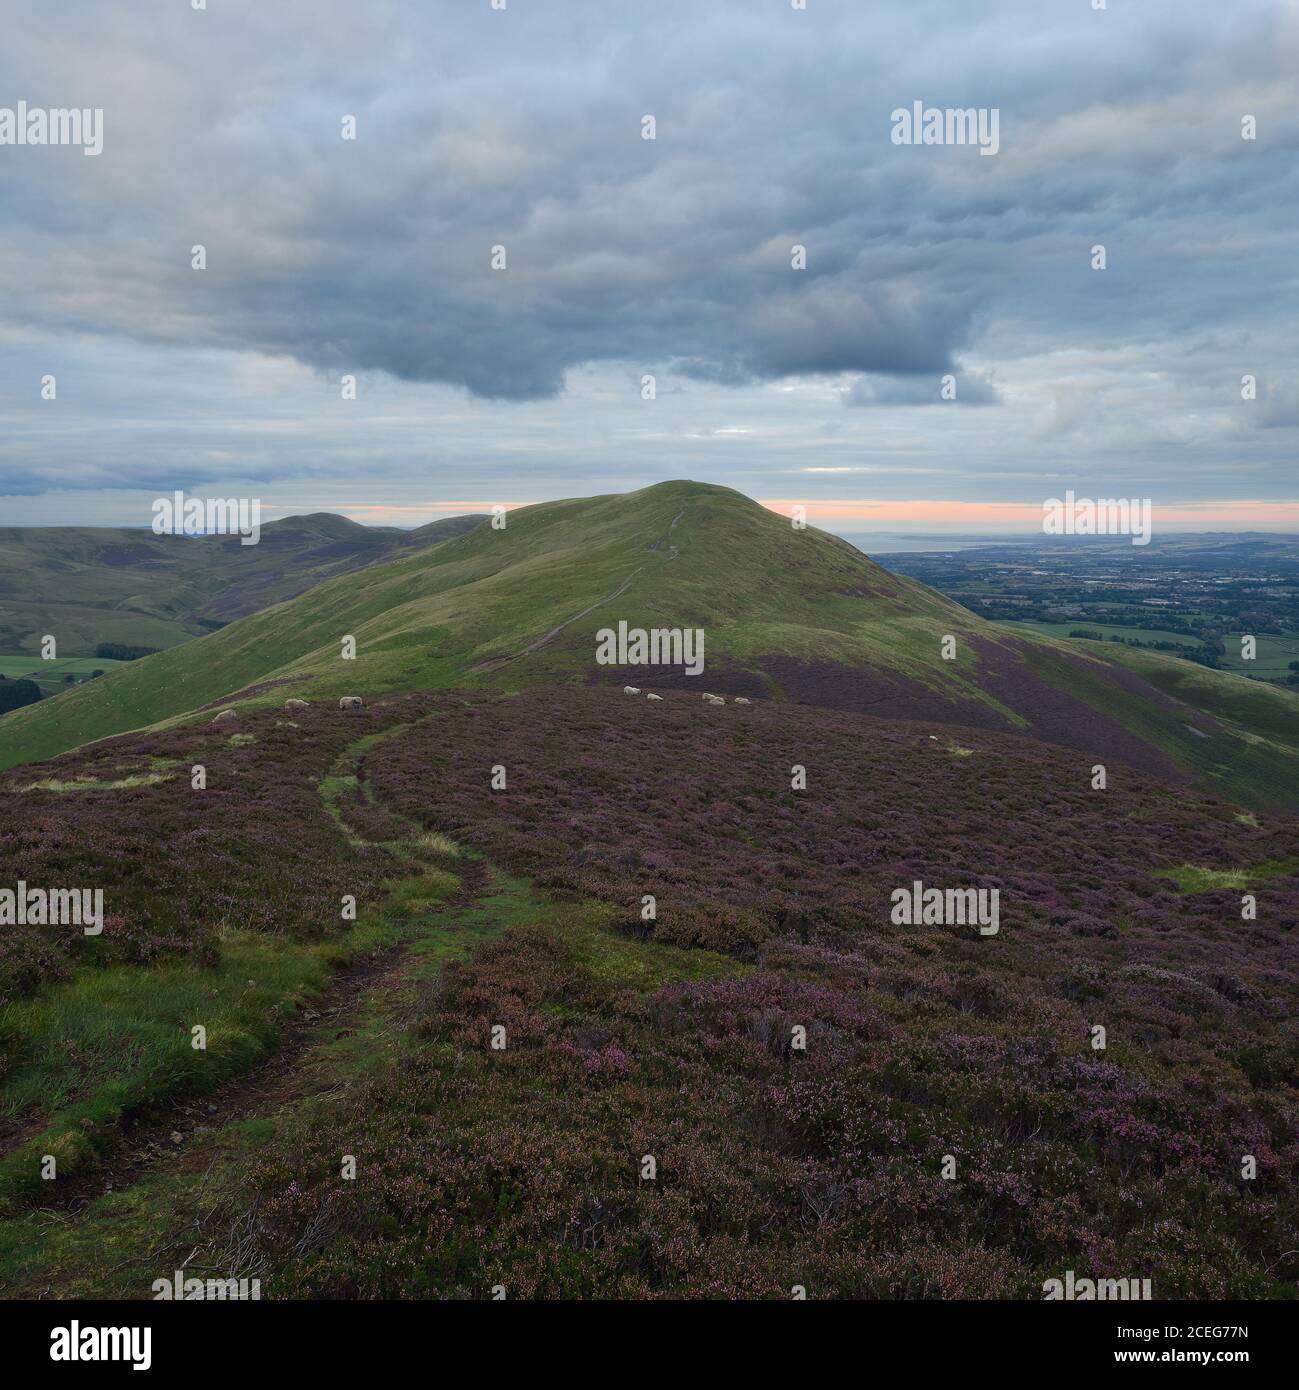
[(788, 614), (88, 585)]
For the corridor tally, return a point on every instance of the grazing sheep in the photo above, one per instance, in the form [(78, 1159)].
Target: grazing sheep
[(740, 700), (714, 699), (630, 690), (350, 702), (654, 697), (295, 704), (227, 716)]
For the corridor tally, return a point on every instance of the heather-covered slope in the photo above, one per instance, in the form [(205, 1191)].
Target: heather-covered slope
[(786, 613), (824, 1166)]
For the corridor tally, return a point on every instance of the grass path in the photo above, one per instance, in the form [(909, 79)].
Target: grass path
[(182, 1204), (92, 1056), (169, 1191), (170, 1170)]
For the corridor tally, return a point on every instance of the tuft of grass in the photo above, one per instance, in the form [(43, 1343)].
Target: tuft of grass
[(438, 843), (409, 897), (94, 784), (621, 962), (1194, 878)]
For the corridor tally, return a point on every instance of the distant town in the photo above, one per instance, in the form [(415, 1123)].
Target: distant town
[(1194, 596)]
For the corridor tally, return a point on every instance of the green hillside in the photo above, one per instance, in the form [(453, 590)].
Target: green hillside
[(791, 614)]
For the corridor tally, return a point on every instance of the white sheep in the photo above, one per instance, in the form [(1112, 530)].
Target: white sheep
[(740, 700), (630, 690), (654, 697)]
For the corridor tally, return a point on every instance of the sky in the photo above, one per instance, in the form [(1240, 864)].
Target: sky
[(523, 127)]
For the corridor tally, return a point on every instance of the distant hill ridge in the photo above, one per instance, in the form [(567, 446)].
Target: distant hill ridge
[(788, 614), (88, 584)]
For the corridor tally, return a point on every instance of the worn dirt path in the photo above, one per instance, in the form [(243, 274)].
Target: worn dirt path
[(151, 1137)]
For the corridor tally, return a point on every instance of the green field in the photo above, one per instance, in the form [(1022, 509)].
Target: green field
[(1273, 658), (1272, 661), (50, 675), (1106, 630)]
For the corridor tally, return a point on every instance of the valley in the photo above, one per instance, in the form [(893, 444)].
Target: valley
[(92, 585)]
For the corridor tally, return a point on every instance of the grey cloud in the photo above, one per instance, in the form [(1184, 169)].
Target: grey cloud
[(522, 127), (972, 388)]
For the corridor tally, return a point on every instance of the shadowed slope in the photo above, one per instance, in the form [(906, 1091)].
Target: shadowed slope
[(88, 584)]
